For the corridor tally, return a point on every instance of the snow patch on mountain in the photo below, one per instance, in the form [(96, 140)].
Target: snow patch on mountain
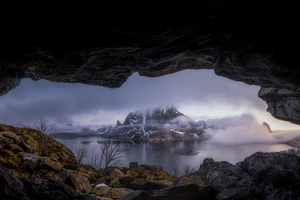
[(157, 124)]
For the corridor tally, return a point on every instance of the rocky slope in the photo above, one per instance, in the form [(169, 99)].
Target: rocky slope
[(34, 166), (157, 124), (259, 176)]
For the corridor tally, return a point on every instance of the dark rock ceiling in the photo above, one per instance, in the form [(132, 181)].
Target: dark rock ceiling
[(250, 41)]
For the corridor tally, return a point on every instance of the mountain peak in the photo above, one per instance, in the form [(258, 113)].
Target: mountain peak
[(161, 123), (153, 115), (267, 126)]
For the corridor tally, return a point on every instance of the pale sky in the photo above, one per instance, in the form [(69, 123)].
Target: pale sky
[(199, 94)]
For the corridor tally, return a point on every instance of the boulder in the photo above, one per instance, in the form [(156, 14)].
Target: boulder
[(77, 181), (219, 174), (260, 176), (184, 180), (30, 161), (15, 148), (140, 184), (115, 173), (11, 187), (50, 189), (133, 164), (271, 162), (47, 163), (188, 192), (12, 138), (108, 193)]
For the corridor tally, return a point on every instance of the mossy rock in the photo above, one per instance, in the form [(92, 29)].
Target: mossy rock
[(107, 192), (31, 142), (70, 166), (8, 134), (22, 176), (15, 148), (52, 175), (115, 183), (116, 173), (183, 181), (101, 191), (124, 170), (116, 193), (5, 127), (150, 172), (41, 143), (11, 156), (47, 163), (167, 182), (8, 163), (134, 174)]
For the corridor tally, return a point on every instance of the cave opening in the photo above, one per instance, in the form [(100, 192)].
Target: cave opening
[(200, 94)]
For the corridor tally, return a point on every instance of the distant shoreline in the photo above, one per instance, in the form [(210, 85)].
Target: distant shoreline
[(71, 135)]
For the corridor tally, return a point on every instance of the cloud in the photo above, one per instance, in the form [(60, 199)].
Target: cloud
[(240, 130), (81, 104)]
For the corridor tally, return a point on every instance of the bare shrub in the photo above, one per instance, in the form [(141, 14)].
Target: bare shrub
[(187, 169), (111, 153), (81, 153), (176, 171), (94, 159), (46, 127)]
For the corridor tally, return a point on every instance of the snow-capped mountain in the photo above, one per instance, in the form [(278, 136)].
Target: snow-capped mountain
[(156, 124)]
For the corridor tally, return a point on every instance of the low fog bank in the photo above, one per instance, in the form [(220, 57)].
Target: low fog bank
[(286, 135), (242, 129)]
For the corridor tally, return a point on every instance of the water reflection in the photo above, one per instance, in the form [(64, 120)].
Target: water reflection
[(176, 154)]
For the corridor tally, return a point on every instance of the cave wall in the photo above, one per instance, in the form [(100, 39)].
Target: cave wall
[(246, 41)]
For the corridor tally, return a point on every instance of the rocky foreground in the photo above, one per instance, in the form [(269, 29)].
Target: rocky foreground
[(34, 166)]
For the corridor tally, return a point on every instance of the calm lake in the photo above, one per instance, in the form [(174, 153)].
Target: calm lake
[(176, 154)]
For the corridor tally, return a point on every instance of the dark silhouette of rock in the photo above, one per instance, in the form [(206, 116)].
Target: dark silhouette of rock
[(245, 41), (133, 164), (267, 126), (139, 184), (188, 192), (295, 142), (259, 176), (11, 187)]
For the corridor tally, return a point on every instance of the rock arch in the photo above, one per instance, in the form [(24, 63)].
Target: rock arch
[(247, 41)]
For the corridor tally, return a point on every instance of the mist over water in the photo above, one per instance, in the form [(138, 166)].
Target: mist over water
[(177, 154), (240, 130)]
